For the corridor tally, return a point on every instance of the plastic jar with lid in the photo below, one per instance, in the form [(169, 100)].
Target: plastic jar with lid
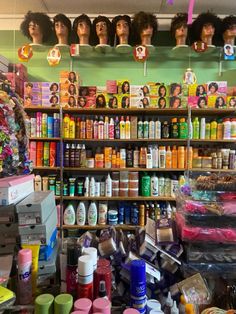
[(233, 128), (227, 129)]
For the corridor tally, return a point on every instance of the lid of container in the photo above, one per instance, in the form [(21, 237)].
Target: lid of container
[(64, 299), (138, 270), (131, 311), (44, 300), (92, 252), (83, 304), (153, 305), (182, 119), (72, 256), (101, 304), (173, 120), (24, 256), (85, 265)]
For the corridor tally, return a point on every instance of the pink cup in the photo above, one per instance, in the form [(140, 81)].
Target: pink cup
[(102, 306), (83, 305)]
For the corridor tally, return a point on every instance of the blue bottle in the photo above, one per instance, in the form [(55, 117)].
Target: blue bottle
[(50, 122), (138, 297)]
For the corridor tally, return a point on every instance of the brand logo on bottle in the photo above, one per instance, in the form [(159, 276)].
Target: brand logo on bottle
[(25, 275)]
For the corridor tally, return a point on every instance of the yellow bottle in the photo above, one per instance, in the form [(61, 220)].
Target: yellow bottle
[(168, 158), (127, 128), (113, 159), (66, 126), (190, 157), (189, 308), (213, 129), (181, 157), (118, 160), (72, 128), (174, 158), (219, 132)]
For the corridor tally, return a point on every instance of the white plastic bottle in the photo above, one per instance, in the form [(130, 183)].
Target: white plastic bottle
[(92, 187), (154, 185), (174, 309), (162, 157), (81, 214), (69, 215), (149, 158), (151, 129), (108, 188), (168, 304), (106, 128), (86, 186), (37, 183), (111, 129), (92, 214), (158, 129), (227, 129), (203, 128), (155, 157)]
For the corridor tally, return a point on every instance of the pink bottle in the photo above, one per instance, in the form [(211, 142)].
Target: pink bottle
[(84, 305), (25, 276), (101, 305)]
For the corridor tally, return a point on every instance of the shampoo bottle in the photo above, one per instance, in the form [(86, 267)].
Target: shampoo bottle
[(69, 215), (81, 214), (92, 214), (108, 188)]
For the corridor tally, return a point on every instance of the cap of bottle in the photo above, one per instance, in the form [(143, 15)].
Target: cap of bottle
[(83, 304), (24, 256), (93, 254), (131, 311), (44, 303), (63, 303), (102, 305), (85, 266)]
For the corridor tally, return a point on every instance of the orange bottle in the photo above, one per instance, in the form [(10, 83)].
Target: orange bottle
[(190, 158), (174, 158), (181, 157), (113, 159), (118, 160), (168, 158)]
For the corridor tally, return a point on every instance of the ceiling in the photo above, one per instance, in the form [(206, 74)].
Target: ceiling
[(72, 8)]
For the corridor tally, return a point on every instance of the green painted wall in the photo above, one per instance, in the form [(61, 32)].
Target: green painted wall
[(165, 65)]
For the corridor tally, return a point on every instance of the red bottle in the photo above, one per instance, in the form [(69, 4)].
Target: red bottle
[(71, 271)]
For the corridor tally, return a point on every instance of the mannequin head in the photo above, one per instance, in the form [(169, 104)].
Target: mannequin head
[(37, 27), (145, 28), (82, 28), (179, 28), (121, 27), (206, 28), (62, 28), (102, 30), (229, 29)]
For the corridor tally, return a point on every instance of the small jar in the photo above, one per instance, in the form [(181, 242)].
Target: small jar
[(197, 162), (206, 162)]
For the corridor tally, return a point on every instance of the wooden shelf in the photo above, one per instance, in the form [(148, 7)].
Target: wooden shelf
[(123, 169), (43, 139), (128, 111), (164, 140), (99, 227), (212, 170), (41, 108), (119, 198), (47, 168), (213, 111), (212, 141)]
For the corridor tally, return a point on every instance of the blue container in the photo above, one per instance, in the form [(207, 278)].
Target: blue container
[(56, 125), (50, 122), (127, 214), (138, 297), (121, 215), (134, 214)]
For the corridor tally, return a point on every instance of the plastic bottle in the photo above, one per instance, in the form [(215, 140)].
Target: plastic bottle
[(158, 129), (95, 128), (92, 187), (154, 185), (168, 304), (149, 158), (85, 277), (165, 130), (233, 128), (161, 185), (190, 157), (213, 130), (81, 214), (106, 128), (140, 128), (168, 158), (136, 157), (203, 128), (151, 129), (83, 156), (219, 132), (146, 185), (183, 129), (181, 157), (174, 128), (101, 128), (44, 125), (174, 309), (83, 128), (182, 304), (25, 276), (56, 125), (117, 128), (69, 215), (71, 270), (77, 128), (208, 131), (50, 122), (92, 214), (138, 285), (129, 157), (72, 128), (37, 183), (72, 155), (196, 128), (108, 188), (86, 186), (111, 130), (89, 128), (174, 159), (227, 129), (113, 159), (190, 133), (122, 128), (127, 128), (145, 129), (155, 156), (77, 155), (142, 157), (162, 157), (66, 126)]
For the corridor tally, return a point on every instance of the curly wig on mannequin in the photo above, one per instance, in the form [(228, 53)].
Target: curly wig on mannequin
[(83, 18), (40, 19), (141, 21), (115, 21), (202, 20), (228, 25), (104, 19), (65, 21)]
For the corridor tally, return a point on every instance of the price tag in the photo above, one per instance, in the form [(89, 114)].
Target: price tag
[(140, 53)]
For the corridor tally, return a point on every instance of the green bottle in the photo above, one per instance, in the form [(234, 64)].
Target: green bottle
[(208, 131), (183, 128), (196, 128), (146, 185)]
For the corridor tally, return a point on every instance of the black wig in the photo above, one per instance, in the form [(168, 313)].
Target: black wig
[(106, 20), (118, 18), (141, 21), (179, 20), (81, 18)]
